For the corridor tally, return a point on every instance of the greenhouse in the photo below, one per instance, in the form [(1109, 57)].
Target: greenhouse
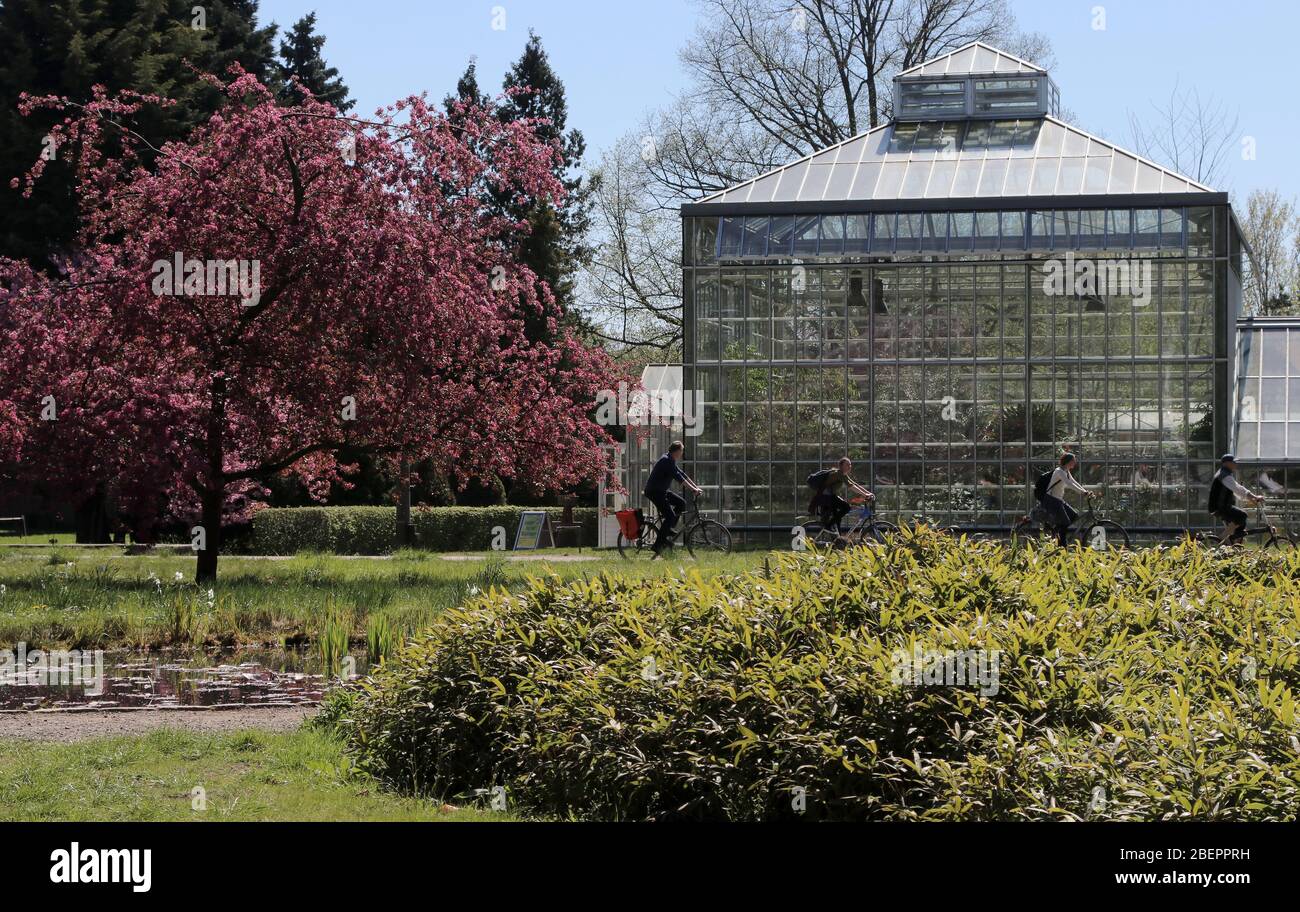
[(953, 298)]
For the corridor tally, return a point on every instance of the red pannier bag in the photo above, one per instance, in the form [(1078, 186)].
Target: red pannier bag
[(629, 524)]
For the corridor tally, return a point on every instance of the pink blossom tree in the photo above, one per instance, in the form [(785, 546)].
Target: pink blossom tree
[(285, 290)]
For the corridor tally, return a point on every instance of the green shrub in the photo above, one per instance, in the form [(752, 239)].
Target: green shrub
[(1130, 686), (371, 530)]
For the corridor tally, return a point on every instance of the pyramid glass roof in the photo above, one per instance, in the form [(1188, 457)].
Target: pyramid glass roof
[(959, 157), (975, 58), (961, 160)]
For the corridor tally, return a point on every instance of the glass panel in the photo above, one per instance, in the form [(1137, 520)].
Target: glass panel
[(918, 175), (941, 179), (987, 232), (1040, 230), (936, 238), (856, 234), (791, 181), (1097, 177), (756, 228), (891, 179), (815, 185), (1013, 231), (1045, 170), (782, 237), (841, 181), (908, 234), (967, 179), (1071, 180), (1146, 228), (832, 243), (732, 231), (1122, 174), (1119, 228), (805, 235), (1011, 96), (963, 231), (864, 185), (931, 98), (1171, 228), (883, 232), (1018, 176), (995, 171)]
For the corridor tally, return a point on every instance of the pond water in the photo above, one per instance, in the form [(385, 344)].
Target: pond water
[(132, 679)]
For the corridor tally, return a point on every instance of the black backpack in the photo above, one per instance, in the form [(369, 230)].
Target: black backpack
[(1219, 495), (1040, 486), (817, 480)]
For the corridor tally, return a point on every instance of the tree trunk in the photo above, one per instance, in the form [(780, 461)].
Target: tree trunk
[(207, 567), (403, 536), (214, 492), (91, 519)]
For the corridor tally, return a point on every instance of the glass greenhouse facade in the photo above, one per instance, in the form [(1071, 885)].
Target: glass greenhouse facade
[(951, 302)]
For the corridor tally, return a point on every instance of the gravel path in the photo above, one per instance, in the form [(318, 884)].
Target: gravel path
[(82, 724)]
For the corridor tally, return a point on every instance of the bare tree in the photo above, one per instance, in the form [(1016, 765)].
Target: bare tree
[(1271, 225), (770, 82), (633, 282), (1189, 133)]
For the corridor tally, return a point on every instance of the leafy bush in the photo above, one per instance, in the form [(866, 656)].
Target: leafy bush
[(370, 530), (1130, 686)]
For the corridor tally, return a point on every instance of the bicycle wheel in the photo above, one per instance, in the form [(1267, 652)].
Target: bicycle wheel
[(1104, 535), (641, 547), (1280, 542), (708, 537)]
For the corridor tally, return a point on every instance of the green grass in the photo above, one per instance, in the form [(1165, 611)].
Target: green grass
[(11, 536), (62, 597), (245, 776)]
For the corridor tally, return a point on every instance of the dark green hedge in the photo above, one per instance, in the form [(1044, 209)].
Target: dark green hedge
[(370, 530)]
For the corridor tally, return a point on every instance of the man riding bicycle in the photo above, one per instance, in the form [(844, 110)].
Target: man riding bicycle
[(1224, 491), (658, 490), (827, 503), (1061, 514)]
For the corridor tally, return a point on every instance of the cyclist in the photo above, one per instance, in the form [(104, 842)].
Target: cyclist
[(1058, 511), (827, 503), (1224, 491), (658, 490)]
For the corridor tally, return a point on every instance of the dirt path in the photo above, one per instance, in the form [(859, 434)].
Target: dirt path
[(82, 724)]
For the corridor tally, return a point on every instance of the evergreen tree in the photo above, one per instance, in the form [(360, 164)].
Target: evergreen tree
[(300, 57), (556, 246), (63, 47), (467, 90)]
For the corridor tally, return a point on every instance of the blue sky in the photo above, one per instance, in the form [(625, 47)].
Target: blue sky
[(618, 59)]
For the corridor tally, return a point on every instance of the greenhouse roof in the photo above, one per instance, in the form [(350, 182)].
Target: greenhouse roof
[(975, 58), (969, 160)]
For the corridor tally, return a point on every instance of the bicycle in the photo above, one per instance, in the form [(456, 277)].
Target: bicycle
[(701, 535), (1273, 538), (1093, 531), (866, 529)]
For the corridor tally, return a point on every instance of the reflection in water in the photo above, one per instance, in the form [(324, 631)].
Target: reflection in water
[(243, 678)]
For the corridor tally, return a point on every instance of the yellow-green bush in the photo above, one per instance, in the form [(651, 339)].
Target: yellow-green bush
[(1132, 686)]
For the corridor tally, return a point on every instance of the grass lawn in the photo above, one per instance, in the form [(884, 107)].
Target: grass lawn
[(11, 536), (246, 776), (64, 597)]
